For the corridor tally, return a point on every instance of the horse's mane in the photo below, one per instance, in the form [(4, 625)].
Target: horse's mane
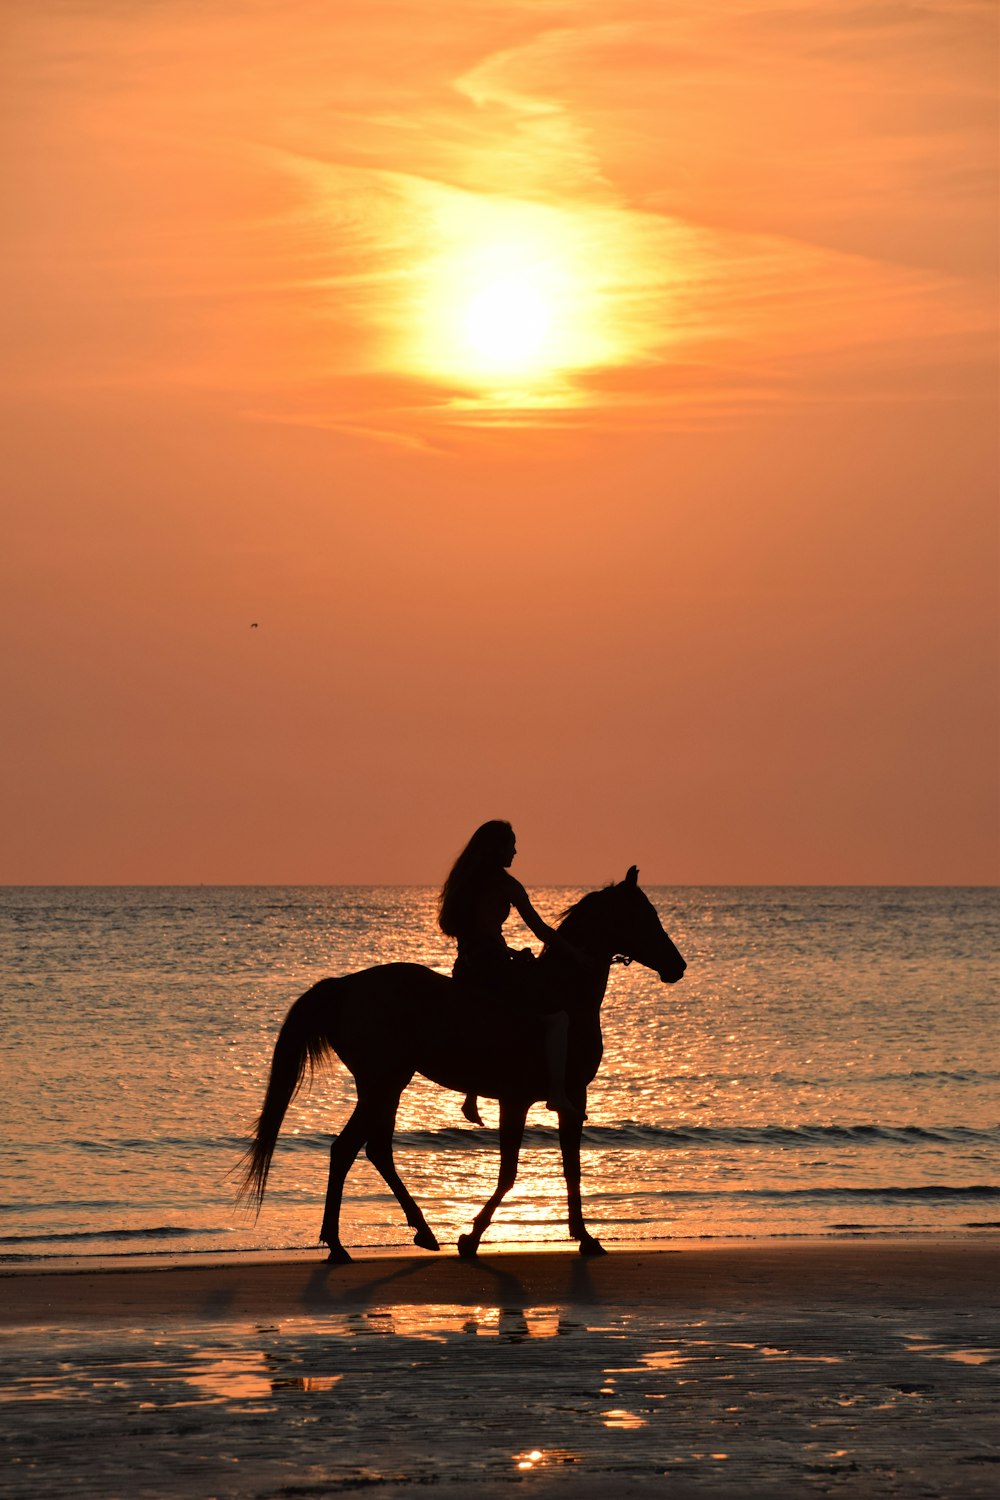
[(581, 907), (582, 913)]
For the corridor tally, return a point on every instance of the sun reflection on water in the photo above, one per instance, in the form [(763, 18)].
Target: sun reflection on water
[(745, 1045)]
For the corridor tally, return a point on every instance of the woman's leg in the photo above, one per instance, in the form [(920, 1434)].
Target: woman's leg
[(470, 1109), (464, 976), (556, 1045)]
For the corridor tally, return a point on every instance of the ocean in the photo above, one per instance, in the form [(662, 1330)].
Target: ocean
[(828, 1066)]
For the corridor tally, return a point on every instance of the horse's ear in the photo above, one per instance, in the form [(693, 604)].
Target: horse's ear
[(632, 878)]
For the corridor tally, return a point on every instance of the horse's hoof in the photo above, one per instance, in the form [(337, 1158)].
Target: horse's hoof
[(590, 1246), (425, 1239), (468, 1248), (338, 1256)]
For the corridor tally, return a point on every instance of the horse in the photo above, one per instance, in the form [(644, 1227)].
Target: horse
[(393, 1021)]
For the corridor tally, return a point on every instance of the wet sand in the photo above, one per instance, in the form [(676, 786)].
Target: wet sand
[(860, 1368)]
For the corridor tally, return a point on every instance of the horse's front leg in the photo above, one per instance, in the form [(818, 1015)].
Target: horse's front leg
[(570, 1131), (343, 1151), (512, 1118)]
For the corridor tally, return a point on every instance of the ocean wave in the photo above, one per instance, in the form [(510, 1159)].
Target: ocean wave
[(632, 1136), (22, 1208), (838, 1080), (161, 1232), (924, 1192), (625, 1135)]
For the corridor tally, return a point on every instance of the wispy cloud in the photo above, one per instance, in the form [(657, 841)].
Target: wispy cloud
[(259, 202)]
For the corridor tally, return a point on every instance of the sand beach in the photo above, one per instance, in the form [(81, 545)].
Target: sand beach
[(859, 1367)]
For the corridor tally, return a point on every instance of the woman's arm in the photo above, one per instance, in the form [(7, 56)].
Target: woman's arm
[(521, 903)]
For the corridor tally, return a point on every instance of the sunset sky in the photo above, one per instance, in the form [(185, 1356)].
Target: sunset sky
[(419, 412)]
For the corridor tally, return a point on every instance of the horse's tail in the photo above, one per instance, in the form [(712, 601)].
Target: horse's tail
[(303, 1041)]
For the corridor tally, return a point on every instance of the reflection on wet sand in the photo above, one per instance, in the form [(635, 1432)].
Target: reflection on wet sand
[(225, 1376), (615, 1417), (547, 1458), (244, 1374), (496, 1390), (249, 1375)]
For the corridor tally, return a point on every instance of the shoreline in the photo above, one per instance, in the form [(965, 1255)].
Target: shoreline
[(853, 1272), (56, 1262)]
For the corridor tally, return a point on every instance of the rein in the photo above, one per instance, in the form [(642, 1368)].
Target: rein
[(622, 958)]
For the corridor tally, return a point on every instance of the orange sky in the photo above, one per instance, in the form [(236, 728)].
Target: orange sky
[(709, 582)]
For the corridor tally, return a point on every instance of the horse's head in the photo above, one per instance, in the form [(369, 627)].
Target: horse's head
[(636, 931)]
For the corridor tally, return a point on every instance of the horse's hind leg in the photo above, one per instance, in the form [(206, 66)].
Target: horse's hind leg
[(378, 1149), (512, 1118), (343, 1151)]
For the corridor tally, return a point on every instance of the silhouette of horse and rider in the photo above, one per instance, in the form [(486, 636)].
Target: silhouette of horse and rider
[(505, 1026)]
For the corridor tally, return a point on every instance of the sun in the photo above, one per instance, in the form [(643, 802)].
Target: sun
[(508, 322), (508, 305), (503, 308)]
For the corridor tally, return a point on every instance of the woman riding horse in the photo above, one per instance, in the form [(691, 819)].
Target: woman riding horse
[(395, 1020), (475, 902)]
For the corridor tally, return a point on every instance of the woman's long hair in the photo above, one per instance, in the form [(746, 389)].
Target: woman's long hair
[(482, 855)]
